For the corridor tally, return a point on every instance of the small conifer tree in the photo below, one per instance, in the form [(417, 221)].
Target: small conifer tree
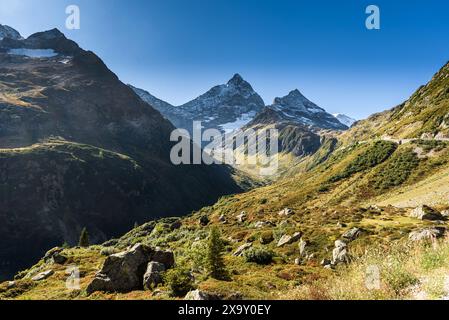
[(214, 258), (84, 238)]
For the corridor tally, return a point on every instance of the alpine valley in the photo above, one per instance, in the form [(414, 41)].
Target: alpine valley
[(84, 154)]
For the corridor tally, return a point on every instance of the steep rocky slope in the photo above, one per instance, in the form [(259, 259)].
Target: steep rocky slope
[(78, 148)]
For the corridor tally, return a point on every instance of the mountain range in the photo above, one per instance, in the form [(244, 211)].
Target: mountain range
[(78, 148)]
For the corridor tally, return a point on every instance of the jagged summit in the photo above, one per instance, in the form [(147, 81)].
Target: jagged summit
[(8, 32), (295, 107)]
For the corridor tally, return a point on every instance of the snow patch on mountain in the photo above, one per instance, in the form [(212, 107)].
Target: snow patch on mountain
[(33, 53), (347, 121), (295, 107)]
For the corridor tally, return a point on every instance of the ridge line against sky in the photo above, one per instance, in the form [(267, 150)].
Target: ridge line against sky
[(177, 49)]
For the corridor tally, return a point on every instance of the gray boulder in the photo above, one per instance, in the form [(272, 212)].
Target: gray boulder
[(43, 275), (303, 244), (197, 295), (353, 234), (154, 275), (427, 234), (124, 271), (426, 213)]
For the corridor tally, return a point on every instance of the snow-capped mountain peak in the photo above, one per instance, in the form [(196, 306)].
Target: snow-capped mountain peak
[(8, 32), (347, 121), (295, 107)]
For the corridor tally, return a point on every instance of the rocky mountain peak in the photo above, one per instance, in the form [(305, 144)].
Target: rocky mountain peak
[(48, 35), (8, 32)]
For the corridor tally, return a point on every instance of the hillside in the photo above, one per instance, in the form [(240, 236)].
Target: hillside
[(78, 148)]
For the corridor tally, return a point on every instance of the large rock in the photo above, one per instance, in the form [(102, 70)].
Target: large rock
[(154, 275), (427, 234), (43, 275), (426, 213), (124, 271), (200, 295)]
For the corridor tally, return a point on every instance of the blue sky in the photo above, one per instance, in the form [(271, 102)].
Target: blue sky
[(177, 49)]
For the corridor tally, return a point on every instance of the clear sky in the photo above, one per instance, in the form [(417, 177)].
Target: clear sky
[(177, 49)]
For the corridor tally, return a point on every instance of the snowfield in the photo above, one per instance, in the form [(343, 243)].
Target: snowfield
[(33, 53)]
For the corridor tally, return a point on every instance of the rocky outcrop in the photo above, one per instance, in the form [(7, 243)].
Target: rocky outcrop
[(426, 213), (124, 271), (427, 234)]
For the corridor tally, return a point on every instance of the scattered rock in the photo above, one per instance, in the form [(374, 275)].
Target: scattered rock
[(353, 234), (426, 213), (43, 275), (445, 213), (10, 285), (242, 217), (341, 225), (326, 262), (153, 276), (287, 239), (427, 234), (340, 253), (298, 261), (54, 256), (222, 219), (303, 248), (261, 224), (204, 221), (124, 271), (242, 248), (286, 212), (200, 295)]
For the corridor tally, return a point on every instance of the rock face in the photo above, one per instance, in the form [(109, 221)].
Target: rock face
[(427, 234), (426, 213), (298, 109), (83, 150), (124, 271)]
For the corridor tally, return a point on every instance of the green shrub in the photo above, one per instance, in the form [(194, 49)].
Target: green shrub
[(259, 256), (379, 152), (179, 281), (396, 171)]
